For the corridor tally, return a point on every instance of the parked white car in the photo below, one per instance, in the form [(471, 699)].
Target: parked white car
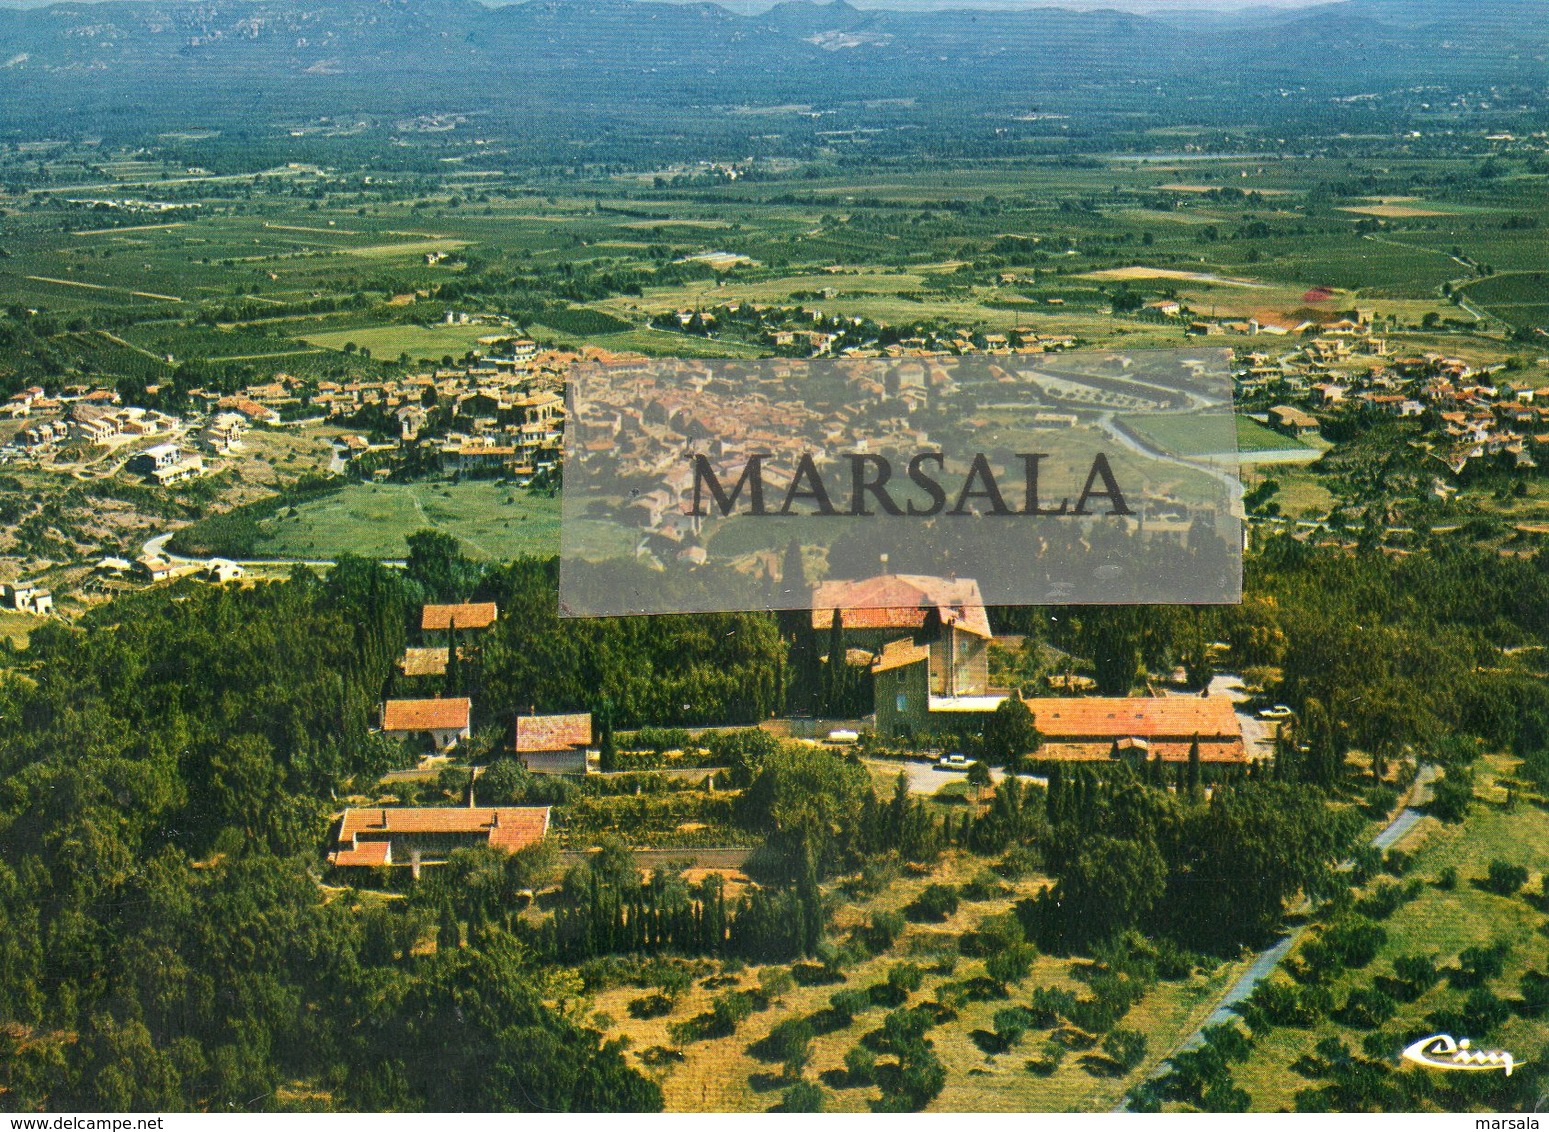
[(954, 761), (1279, 711)]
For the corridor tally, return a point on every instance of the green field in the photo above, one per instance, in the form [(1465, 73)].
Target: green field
[(1520, 298), (393, 341), (493, 521), (1190, 436)]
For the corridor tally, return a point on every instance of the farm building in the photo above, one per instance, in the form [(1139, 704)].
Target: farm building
[(26, 597), (555, 744), (424, 661), (467, 615), (1091, 728), (1292, 421)]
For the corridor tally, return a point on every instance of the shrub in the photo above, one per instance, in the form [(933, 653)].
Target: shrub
[(1053, 1055), (804, 1096), (1447, 879), (1276, 1002), (1367, 1008), (906, 977), (1366, 863), (1483, 1012), (1019, 861), (650, 1006), (729, 1010), (1535, 994), (992, 934), (1093, 1015), (848, 1003), (1011, 1023), (1380, 801), (1349, 942), (985, 885), (1452, 795), (934, 904), (1398, 862), (1504, 878), (860, 1065), (875, 875), (775, 981), (1224, 1096), (1048, 1005), (1385, 899), (786, 1041), (1229, 1040), (1011, 964), (1478, 965), (1126, 1047), (880, 931), (1415, 974)]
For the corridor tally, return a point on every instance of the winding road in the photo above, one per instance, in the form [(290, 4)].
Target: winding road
[(156, 547)]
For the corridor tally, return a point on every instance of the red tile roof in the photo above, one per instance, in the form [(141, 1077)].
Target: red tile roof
[(367, 853), (553, 732), (365, 835), (900, 601), (426, 715), (1154, 717), (468, 615)]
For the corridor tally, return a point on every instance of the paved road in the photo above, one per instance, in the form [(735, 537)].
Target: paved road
[(1265, 962), (156, 547), (925, 779)]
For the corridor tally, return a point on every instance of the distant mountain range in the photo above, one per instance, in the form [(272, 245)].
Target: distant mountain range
[(120, 65)]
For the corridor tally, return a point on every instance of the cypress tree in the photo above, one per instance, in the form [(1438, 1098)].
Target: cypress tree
[(834, 667), (1054, 801)]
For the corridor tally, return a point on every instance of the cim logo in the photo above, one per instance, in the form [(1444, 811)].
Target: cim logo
[(1442, 1051)]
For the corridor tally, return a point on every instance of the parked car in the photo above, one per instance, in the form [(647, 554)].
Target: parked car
[(1279, 711), (955, 761)]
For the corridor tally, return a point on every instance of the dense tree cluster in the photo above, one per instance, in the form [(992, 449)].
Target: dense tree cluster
[(164, 943)]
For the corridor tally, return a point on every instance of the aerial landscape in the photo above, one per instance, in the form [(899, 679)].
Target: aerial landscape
[(314, 797)]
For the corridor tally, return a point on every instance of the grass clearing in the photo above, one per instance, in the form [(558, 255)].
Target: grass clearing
[(394, 340), (494, 521)]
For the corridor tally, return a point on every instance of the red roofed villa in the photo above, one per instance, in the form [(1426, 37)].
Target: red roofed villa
[(444, 722), (416, 836), (929, 638)]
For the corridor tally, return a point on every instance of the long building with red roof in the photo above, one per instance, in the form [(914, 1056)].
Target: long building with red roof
[(416, 836)]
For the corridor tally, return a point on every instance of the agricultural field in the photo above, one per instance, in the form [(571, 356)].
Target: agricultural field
[(734, 1073), (1520, 298), (414, 342)]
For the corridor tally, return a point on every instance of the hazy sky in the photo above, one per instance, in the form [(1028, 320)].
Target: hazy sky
[(917, 5), (1129, 5)]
